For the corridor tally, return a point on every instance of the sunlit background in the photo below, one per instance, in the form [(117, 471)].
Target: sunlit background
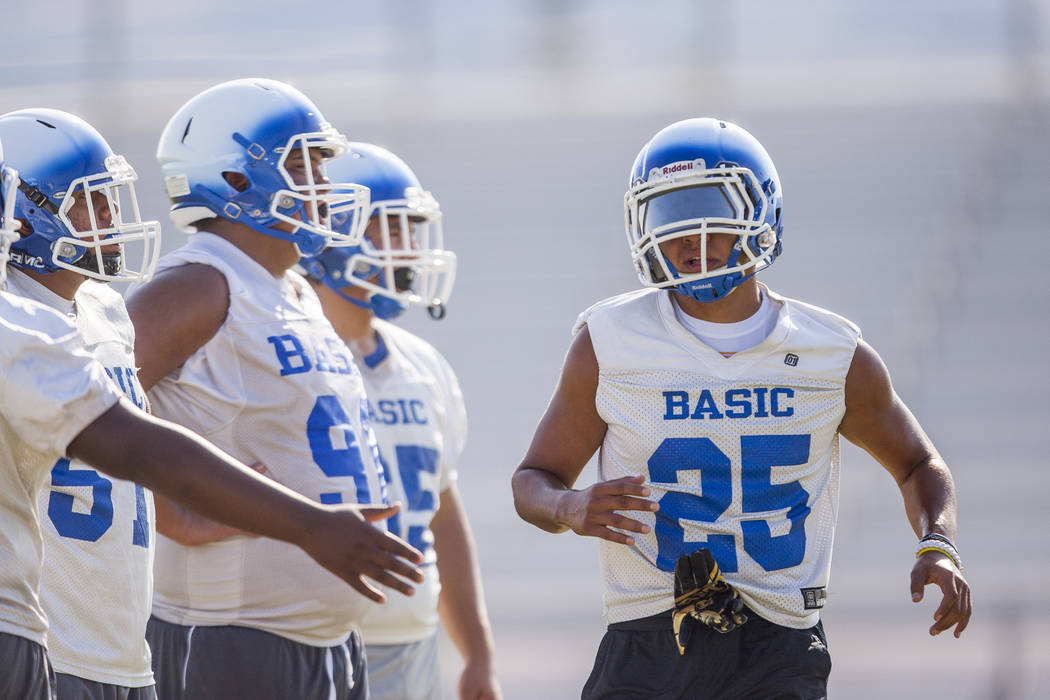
[(913, 142)]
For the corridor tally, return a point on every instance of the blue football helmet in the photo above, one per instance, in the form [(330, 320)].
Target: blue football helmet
[(698, 177), (62, 163), (250, 128), (8, 227), (397, 270)]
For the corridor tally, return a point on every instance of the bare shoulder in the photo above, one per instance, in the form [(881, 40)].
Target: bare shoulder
[(868, 378), (580, 361), (175, 314), (869, 393), (195, 285)]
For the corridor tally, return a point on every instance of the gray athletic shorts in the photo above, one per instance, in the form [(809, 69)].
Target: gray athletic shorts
[(404, 671), (203, 663), (26, 675), (639, 659), (74, 688)]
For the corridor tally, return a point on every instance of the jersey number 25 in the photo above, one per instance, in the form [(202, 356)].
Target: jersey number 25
[(759, 454)]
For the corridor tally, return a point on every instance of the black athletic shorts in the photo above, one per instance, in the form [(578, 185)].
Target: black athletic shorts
[(25, 672), (226, 662), (76, 688), (758, 661)]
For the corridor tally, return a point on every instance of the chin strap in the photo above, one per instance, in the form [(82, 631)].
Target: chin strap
[(37, 197)]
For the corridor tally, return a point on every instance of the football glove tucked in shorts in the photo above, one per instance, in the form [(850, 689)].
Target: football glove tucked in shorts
[(702, 593)]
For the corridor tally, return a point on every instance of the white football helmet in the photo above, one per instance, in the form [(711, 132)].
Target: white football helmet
[(251, 127), (62, 160), (402, 261), (696, 178)]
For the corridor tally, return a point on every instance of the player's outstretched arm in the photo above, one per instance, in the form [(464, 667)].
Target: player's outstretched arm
[(568, 435), (188, 527), (462, 601), (170, 460), (877, 420)]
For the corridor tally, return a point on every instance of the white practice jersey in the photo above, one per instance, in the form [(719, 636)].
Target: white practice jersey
[(50, 390), (740, 452), (97, 583), (275, 386), (420, 421)]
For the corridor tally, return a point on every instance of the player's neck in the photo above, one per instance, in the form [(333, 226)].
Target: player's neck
[(742, 303), (64, 283), (275, 254), (352, 323)]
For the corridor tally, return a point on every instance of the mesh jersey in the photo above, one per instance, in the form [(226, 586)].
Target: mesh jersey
[(275, 386), (50, 390), (98, 531), (741, 452), (421, 424)]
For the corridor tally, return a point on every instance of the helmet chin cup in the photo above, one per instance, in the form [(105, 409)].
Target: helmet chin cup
[(308, 244), (386, 308)]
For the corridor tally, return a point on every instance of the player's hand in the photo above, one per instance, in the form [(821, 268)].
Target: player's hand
[(592, 511), (478, 682), (701, 592), (343, 541), (938, 569)]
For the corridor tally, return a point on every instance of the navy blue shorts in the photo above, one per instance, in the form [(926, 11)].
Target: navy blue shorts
[(758, 661)]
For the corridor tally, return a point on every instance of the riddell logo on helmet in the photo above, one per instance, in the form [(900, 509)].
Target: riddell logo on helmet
[(26, 260), (676, 168)]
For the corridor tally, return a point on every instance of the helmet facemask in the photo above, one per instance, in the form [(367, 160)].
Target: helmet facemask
[(691, 200), (401, 261), (311, 205), (81, 246), (8, 223)]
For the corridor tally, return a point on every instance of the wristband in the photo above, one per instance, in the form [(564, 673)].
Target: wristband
[(939, 543)]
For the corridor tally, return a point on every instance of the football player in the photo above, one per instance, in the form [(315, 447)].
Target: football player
[(234, 345), (56, 401), (717, 405), (78, 217), (420, 421)]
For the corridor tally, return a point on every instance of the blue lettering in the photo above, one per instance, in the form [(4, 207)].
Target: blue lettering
[(323, 363), (389, 416), (742, 403), (676, 405), (291, 354), (417, 406), (128, 382), (774, 404), (758, 402), (705, 405), (760, 394)]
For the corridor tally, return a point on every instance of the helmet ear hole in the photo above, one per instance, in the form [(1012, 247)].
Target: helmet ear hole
[(236, 180)]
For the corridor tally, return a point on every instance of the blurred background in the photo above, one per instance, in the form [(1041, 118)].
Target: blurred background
[(913, 143)]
